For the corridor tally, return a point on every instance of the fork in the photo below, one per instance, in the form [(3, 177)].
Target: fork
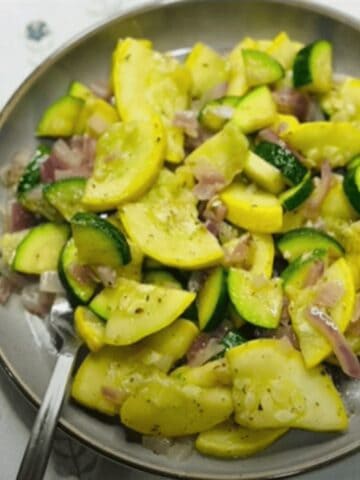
[(37, 452)]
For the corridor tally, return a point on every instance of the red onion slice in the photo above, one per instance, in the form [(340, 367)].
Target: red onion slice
[(313, 204), (323, 323), (50, 282)]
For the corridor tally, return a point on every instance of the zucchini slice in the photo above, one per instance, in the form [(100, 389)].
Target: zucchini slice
[(162, 278), (90, 328), (304, 240), (258, 300), (40, 249), (98, 242), (295, 274), (229, 440), (65, 196), (128, 159), (134, 310), (293, 198), (216, 113), (31, 176), (211, 300), (269, 369), (95, 117), (264, 174), (8, 244), (79, 90), (261, 68), (59, 120), (255, 110), (283, 159), (252, 209), (80, 290), (351, 185), (313, 67)]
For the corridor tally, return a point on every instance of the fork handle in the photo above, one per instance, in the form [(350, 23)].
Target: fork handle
[(37, 451)]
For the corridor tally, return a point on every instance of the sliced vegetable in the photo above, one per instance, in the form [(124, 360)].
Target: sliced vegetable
[(296, 196), (211, 300), (31, 176), (342, 103), (95, 117), (163, 278), (261, 68), (134, 310), (76, 278), (208, 69), (90, 328), (313, 67), (165, 225), (59, 120), (283, 159), (256, 110), (170, 408), (237, 82), (264, 174), (336, 142), (98, 242), (215, 373), (225, 153), (257, 299), (215, 113), (336, 203), (9, 243), (229, 440), (147, 82), (304, 240), (274, 389), (336, 293), (79, 90), (33, 254), (128, 159), (297, 272), (351, 187), (65, 195), (252, 209)]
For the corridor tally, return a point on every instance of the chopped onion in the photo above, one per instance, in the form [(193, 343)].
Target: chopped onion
[(114, 395), (329, 294), (210, 181), (101, 89), (36, 302), (354, 327), (312, 206), (187, 120), (67, 156), (50, 282), (216, 92), (323, 323), (238, 256), (81, 273), (197, 280), (106, 275), (292, 102), (203, 349), (98, 124), (18, 218), (6, 289), (314, 274), (214, 214)]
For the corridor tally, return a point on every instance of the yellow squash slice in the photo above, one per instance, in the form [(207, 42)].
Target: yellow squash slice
[(274, 389), (252, 209), (165, 225), (146, 81), (128, 159), (168, 407), (314, 346), (229, 440)]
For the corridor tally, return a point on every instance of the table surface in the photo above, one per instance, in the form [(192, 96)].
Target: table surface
[(21, 23)]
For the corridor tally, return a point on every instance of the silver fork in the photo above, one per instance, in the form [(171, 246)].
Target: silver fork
[(38, 449)]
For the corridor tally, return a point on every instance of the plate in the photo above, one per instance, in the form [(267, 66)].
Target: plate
[(25, 348)]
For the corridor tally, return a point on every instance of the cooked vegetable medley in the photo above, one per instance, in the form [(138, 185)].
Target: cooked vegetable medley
[(203, 218)]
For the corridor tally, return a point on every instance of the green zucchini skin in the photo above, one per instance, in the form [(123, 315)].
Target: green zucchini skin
[(295, 272), (212, 300), (351, 186), (65, 195), (283, 159), (304, 240), (98, 241), (163, 278), (309, 67), (261, 68), (78, 293), (296, 196), (32, 176), (59, 119)]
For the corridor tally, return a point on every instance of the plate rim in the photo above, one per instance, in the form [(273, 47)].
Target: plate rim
[(123, 458)]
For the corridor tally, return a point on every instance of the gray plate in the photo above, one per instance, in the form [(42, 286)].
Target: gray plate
[(25, 349)]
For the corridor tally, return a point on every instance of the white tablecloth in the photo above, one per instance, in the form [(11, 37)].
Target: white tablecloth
[(20, 22)]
